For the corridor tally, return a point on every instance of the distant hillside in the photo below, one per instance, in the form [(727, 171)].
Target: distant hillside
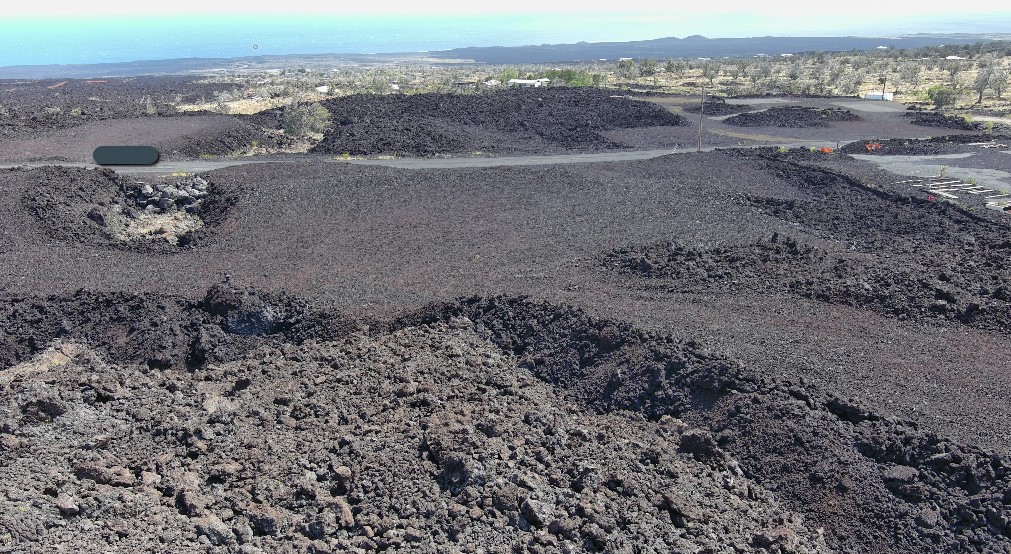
[(696, 46)]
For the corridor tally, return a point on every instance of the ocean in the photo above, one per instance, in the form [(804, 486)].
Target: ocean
[(88, 41)]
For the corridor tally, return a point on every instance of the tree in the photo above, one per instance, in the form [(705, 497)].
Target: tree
[(794, 72), (850, 84), (759, 71), (677, 67), (570, 77), (835, 72), (942, 96), (883, 81), (627, 69), (953, 68), (739, 68), (710, 70), (860, 61), (648, 68), (999, 82), (818, 74), (909, 72), (984, 77), (985, 67)]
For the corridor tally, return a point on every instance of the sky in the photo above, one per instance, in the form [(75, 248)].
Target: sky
[(729, 18), (782, 8)]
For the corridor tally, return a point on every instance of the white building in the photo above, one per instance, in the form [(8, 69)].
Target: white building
[(888, 96), (526, 83)]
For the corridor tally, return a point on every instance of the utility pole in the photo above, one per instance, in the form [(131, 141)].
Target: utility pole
[(701, 113)]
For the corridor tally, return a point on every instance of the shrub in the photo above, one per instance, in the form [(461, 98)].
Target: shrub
[(508, 73), (648, 67), (627, 69), (301, 120), (570, 77), (942, 96)]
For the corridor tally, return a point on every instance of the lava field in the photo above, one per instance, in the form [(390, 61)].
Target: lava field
[(732, 351)]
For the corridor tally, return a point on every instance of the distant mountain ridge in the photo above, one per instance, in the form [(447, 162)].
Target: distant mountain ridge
[(699, 46), (671, 47)]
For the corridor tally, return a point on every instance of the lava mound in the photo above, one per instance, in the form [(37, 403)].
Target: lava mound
[(101, 207), (717, 106), (511, 121), (942, 121), (950, 144), (723, 267), (216, 135), (164, 332), (792, 116), (908, 292)]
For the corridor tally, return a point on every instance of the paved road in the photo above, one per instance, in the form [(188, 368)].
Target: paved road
[(187, 166), (924, 166), (202, 166)]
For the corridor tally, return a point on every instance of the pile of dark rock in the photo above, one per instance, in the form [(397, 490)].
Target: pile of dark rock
[(554, 120), (718, 106), (791, 116), (185, 195)]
